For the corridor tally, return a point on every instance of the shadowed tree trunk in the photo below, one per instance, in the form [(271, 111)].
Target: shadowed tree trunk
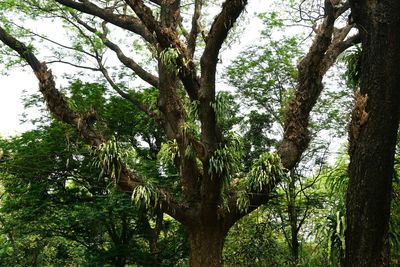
[(373, 133), (206, 244)]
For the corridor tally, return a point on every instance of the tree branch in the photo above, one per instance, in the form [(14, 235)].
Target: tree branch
[(141, 106), (59, 107), (322, 54), (82, 122), (124, 21), (296, 134), (194, 32), (339, 45), (55, 101), (231, 9), (127, 61), (55, 42), (71, 64), (167, 38)]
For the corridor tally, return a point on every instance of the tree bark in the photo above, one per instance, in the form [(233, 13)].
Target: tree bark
[(206, 244), (373, 133)]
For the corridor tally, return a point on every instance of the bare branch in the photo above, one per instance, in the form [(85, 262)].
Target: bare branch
[(124, 21), (55, 42), (129, 62), (71, 64), (129, 97)]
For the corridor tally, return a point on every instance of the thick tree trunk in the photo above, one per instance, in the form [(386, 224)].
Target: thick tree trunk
[(206, 244), (373, 132)]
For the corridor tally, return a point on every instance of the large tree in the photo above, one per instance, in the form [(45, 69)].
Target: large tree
[(373, 133), (206, 154)]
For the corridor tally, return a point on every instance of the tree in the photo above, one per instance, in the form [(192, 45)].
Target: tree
[(206, 155), (373, 134), (61, 202), (57, 201)]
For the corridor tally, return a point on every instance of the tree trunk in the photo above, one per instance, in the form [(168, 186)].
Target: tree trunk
[(373, 133), (206, 244), (293, 220), (294, 247)]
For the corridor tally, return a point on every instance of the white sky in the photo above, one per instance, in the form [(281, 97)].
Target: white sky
[(11, 107)]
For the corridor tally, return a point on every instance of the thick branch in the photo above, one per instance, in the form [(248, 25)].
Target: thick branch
[(322, 54), (231, 9), (127, 61), (167, 37), (126, 22), (211, 134), (58, 106), (339, 45), (145, 14), (194, 32), (55, 101), (296, 134)]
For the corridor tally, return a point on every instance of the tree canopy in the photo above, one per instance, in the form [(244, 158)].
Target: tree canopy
[(143, 147)]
